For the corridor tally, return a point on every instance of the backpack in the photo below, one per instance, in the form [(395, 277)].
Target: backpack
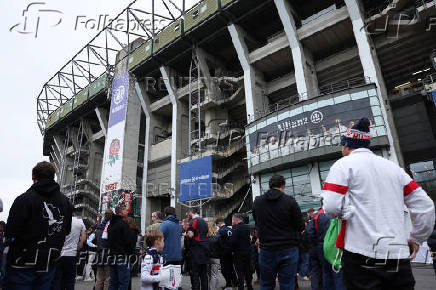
[(332, 253)]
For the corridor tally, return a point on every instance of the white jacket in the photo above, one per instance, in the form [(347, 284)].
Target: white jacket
[(379, 190), (150, 272)]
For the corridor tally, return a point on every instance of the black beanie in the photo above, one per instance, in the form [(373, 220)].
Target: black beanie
[(358, 136)]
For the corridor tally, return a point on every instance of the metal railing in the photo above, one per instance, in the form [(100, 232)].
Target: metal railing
[(389, 4), (141, 21), (323, 90)]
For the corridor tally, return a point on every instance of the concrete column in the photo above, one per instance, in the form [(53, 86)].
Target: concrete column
[(253, 95), (172, 91), (371, 69), (315, 181), (145, 105), (255, 186), (102, 119), (254, 100), (305, 73)]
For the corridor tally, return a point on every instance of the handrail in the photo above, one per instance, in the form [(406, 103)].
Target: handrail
[(322, 91)]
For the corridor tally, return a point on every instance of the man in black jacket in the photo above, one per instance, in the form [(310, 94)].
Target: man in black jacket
[(38, 222), (278, 221), (121, 245), (240, 243), (198, 249)]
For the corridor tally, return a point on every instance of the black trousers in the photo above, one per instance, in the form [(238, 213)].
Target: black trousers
[(362, 273), (316, 269), (65, 276), (228, 270), (242, 263), (199, 278)]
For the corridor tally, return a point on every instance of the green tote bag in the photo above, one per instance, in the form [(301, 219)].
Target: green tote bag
[(332, 254)]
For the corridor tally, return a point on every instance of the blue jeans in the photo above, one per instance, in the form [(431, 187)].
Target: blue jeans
[(28, 279), (65, 276), (330, 279), (283, 263), (120, 275), (303, 264)]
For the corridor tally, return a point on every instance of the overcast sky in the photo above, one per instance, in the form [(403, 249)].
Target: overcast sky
[(26, 64)]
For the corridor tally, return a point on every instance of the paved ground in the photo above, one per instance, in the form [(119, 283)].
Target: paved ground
[(424, 276)]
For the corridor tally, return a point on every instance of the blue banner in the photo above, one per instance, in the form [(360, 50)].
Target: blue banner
[(120, 93), (195, 179)]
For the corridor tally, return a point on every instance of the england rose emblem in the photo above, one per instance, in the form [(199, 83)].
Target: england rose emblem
[(114, 151)]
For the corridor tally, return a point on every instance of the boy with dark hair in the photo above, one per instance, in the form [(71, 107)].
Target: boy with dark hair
[(152, 261)]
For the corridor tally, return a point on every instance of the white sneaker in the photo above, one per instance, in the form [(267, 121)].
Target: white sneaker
[(79, 278), (305, 278)]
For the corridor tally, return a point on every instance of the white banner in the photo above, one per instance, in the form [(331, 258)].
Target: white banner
[(111, 177)]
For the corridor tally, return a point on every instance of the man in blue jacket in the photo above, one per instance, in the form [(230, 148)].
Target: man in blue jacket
[(172, 231)]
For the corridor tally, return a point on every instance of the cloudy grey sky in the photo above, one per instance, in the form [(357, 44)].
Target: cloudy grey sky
[(27, 63)]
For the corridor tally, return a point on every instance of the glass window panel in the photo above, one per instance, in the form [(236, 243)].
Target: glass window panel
[(374, 101), (342, 99), (378, 153), (310, 107), (376, 111), (261, 125), (283, 116), (359, 95), (271, 120), (372, 92), (325, 165), (379, 121), (381, 131), (325, 103), (299, 171), (296, 111)]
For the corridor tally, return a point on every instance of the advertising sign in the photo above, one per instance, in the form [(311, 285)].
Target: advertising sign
[(114, 147), (195, 179), (307, 127)]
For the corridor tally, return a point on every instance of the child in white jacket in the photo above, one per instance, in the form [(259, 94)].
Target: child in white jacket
[(152, 261)]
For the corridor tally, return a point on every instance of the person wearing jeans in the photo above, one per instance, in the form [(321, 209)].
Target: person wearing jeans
[(279, 223), (122, 241), (281, 263), (120, 274)]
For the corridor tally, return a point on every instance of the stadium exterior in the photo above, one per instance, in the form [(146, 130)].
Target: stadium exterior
[(232, 91)]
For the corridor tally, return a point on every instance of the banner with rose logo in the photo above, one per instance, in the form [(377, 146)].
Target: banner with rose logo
[(113, 151)]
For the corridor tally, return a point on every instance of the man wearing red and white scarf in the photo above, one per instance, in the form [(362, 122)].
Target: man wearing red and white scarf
[(370, 194)]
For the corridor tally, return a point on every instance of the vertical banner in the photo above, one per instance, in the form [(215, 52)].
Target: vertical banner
[(113, 149)]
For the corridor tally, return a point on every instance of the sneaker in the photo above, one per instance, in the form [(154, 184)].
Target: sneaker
[(305, 278), (79, 278)]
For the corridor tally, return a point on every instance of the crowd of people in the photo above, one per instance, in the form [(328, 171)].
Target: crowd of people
[(44, 246)]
